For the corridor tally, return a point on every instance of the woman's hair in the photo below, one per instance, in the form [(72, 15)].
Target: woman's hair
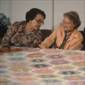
[(74, 17), (31, 14)]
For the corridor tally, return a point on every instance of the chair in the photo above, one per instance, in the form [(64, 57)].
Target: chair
[(83, 33), (45, 33)]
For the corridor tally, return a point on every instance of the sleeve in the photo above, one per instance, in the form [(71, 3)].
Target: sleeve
[(49, 40), (37, 40), (10, 32)]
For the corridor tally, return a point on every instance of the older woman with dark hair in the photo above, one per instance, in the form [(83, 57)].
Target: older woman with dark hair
[(66, 35), (25, 33)]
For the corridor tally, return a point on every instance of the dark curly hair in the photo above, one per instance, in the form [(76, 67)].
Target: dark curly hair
[(74, 17), (31, 14)]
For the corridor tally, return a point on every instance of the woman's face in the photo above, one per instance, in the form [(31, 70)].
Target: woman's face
[(37, 22), (68, 24)]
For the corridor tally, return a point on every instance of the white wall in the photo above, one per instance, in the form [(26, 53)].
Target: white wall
[(16, 9), (62, 6), (5, 7), (20, 7)]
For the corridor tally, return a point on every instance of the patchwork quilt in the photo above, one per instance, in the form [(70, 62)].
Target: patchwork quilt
[(34, 66)]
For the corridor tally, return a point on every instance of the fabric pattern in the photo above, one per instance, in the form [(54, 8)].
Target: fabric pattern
[(42, 67), (16, 36)]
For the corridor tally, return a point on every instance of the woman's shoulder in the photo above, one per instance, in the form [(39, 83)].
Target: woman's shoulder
[(17, 25), (78, 34)]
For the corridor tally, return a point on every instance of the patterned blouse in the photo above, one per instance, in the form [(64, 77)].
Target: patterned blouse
[(16, 36)]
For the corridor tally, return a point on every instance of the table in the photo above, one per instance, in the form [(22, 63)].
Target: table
[(35, 66)]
